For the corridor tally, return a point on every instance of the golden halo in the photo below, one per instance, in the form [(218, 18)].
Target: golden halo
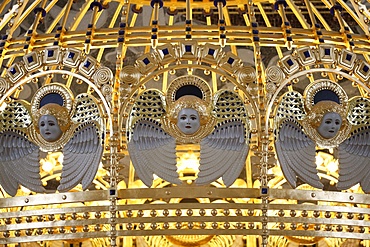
[(54, 88), (320, 85), (129, 75), (188, 80), (189, 91), (41, 105)]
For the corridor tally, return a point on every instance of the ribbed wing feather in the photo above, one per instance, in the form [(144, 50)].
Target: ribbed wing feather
[(153, 151), (82, 155), (354, 160), (19, 163), (223, 153), (296, 154)]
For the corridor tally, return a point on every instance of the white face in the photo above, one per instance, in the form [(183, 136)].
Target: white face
[(188, 121), (330, 125), (49, 128)]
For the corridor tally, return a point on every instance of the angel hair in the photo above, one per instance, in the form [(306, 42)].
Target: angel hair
[(189, 102), (327, 117), (58, 118)]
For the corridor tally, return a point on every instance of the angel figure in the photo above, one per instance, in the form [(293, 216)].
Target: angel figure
[(335, 122), (26, 130), (158, 125)]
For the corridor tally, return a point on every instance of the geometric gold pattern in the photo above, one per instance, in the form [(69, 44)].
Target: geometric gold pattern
[(113, 51)]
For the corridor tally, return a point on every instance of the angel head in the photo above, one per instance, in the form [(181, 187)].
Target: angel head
[(189, 113), (52, 121), (328, 118)]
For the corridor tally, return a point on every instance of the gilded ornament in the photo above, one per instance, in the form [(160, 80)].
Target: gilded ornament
[(47, 125), (331, 134), (129, 75), (274, 74), (326, 119), (4, 86), (188, 115), (177, 124)]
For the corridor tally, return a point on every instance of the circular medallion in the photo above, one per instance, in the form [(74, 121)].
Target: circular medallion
[(103, 75), (246, 75), (4, 85), (274, 74), (129, 75)]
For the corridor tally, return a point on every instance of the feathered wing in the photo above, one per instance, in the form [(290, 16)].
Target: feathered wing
[(153, 151), (15, 116), (354, 160), (87, 109), (291, 105), (296, 154), (19, 163), (359, 111), (82, 156), (223, 153)]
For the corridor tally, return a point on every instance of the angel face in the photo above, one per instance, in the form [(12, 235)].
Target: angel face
[(188, 121), (49, 128), (330, 125)]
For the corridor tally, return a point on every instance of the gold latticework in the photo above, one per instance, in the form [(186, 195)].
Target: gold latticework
[(105, 56)]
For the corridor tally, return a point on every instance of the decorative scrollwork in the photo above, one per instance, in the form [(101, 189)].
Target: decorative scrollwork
[(129, 75), (274, 74), (103, 75), (4, 86), (246, 75)]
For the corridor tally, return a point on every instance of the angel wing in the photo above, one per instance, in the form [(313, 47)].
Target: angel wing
[(291, 105), (359, 111), (296, 154), (354, 153), (223, 153), (354, 159), (86, 109), (84, 151), (153, 151), (19, 163), (15, 116), (19, 157), (82, 156)]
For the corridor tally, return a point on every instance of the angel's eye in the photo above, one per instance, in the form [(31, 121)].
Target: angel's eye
[(193, 118)]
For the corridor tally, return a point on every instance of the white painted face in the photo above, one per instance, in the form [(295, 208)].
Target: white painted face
[(188, 121), (49, 128), (330, 125)]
